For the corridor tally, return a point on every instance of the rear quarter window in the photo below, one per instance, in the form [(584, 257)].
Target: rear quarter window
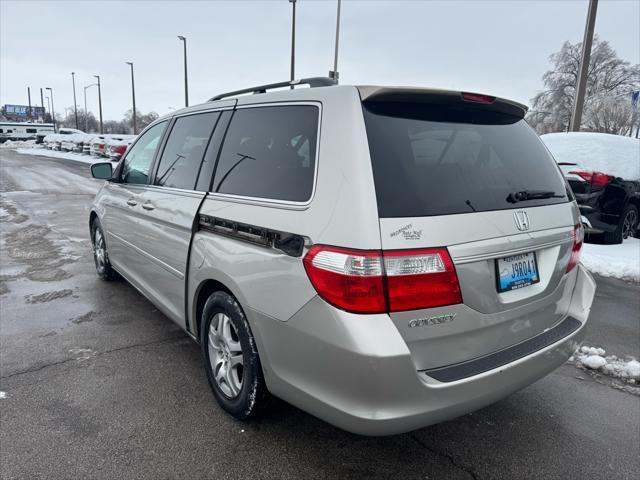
[(270, 153)]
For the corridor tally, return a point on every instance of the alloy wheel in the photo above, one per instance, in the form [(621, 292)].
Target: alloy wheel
[(98, 249), (629, 224), (225, 355)]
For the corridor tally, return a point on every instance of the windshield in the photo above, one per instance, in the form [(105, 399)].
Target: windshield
[(433, 161)]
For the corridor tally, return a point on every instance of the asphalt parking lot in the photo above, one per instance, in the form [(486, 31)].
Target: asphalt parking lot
[(98, 384)]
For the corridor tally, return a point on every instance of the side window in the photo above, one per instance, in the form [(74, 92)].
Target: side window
[(136, 164), (269, 152), (32, 130), (182, 156)]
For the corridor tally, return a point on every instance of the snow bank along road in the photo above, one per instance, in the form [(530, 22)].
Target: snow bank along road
[(97, 383)]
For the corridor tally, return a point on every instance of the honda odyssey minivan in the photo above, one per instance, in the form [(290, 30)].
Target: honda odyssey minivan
[(382, 258)]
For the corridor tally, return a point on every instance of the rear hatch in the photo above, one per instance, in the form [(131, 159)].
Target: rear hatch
[(465, 172)]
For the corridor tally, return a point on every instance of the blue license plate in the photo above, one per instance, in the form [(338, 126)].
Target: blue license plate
[(517, 271)]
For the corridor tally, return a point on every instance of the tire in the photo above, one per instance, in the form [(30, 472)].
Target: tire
[(627, 227), (100, 257), (226, 340)]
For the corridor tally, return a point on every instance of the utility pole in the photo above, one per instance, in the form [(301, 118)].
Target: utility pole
[(99, 102), (133, 95), (42, 101), (75, 103), (578, 101), (29, 96), (186, 84), (53, 113), (293, 42), (334, 74)]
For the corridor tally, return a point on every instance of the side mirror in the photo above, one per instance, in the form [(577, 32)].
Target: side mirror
[(102, 171)]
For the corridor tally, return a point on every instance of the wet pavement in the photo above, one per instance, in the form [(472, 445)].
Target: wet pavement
[(98, 384)]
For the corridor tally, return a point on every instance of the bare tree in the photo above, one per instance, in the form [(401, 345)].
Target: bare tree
[(142, 120), (610, 81)]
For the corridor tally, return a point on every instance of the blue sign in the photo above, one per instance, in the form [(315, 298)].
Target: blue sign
[(23, 111)]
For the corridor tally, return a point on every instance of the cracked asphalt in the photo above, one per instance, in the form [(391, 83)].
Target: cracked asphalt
[(98, 384)]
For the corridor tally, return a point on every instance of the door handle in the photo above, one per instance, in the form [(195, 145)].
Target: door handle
[(148, 206), (131, 202)]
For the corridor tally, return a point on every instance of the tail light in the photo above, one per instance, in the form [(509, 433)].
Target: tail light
[(595, 178), (376, 282), (578, 239)]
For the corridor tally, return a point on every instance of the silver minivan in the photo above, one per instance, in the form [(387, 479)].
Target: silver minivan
[(382, 258)]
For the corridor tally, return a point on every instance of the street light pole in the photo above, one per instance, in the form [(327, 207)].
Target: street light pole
[(293, 42), (578, 102), (53, 113), (334, 73), (186, 83), (85, 105), (29, 95), (133, 95), (42, 101), (75, 103), (99, 102)]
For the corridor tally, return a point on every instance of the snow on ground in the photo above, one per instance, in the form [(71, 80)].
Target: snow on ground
[(593, 358), (619, 261), (612, 154), (18, 144), (77, 157)]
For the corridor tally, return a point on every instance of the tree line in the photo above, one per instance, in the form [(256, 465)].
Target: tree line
[(92, 125)]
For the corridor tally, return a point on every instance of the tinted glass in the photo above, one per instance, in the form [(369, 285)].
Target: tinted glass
[(137, 162), (427, 163), (32, 130), (183, 152), (211, 155), (269, 152)]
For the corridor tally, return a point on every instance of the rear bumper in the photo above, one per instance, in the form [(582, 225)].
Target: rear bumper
[(358, 374), (597, 222)]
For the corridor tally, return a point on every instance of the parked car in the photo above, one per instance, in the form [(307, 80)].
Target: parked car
[(97, 145), (604, 173), (382, 258), (115, 146), (68, 136)]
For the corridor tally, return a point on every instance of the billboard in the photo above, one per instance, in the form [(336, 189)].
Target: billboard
[(22, 111)]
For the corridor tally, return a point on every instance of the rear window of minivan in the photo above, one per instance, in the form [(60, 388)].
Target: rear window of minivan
[(437, 161)]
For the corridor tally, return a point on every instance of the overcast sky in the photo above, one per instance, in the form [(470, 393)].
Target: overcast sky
[(496, 47)]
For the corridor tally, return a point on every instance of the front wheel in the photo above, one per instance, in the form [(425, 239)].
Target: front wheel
[(100, 257), (231, 357)]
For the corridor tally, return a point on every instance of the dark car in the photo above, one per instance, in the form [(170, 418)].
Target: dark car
[(602, 171)]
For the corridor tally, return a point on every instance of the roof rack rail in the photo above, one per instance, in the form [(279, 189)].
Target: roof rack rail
[(312, 82)]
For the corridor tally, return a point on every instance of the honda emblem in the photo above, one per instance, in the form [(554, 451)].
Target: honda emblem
[(522, 220)]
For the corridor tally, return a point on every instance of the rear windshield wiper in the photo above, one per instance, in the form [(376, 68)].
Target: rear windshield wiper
[(515, 197)]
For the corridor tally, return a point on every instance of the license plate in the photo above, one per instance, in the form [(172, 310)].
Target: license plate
[(517, 271)]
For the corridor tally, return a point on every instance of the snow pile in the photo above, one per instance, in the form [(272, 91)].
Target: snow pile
[(612, 154), (593, 358), (118, 139), (43, 152), (620, 261), (71, 138), (18, 144)]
